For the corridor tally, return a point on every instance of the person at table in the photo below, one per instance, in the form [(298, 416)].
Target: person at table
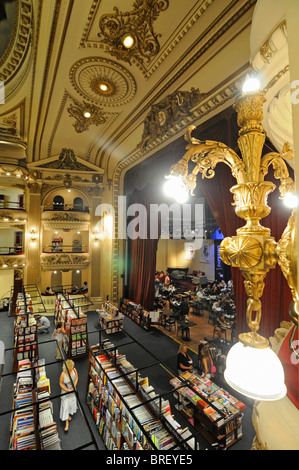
[(184, 361), (219, 326), (217, 306), (199, 294), (184, 309)]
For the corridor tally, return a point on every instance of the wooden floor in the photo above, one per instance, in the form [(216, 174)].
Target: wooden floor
[(202, 329)]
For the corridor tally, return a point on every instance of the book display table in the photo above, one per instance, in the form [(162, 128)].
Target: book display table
[(203, 402)]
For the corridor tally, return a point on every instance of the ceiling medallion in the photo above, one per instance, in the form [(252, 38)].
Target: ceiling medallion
[(102, 81), (102, 87), (130, 35), (85, 114)]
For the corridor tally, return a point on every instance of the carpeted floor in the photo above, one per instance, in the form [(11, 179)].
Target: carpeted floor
[(146, 350)]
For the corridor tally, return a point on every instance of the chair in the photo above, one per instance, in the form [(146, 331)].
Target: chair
[(184, 329), (170, 322)]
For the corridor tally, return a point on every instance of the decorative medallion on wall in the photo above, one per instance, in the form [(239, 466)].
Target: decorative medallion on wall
[(85, 115), (167, 114), (67, 161), (130, 35), (102, 81)]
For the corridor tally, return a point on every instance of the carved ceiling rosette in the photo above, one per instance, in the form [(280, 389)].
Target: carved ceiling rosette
[(139, 24), (102, 81)]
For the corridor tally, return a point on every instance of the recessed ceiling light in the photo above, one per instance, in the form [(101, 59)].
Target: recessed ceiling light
[(128, 41), (87, 114)]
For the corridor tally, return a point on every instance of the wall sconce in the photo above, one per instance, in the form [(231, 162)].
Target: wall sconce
[(252, 368), (32, 235)]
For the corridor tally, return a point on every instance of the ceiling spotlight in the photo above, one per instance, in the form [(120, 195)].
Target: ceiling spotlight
[(87, 114), (103, 87), (128, 41)]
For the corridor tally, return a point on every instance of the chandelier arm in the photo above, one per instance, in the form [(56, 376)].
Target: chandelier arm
[(281, 171)]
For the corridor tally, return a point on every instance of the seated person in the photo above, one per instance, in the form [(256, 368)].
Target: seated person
[(49, 291), (84, 288), (43, 324), (184, 361), (219, 326), (200, 294), (216, 306)]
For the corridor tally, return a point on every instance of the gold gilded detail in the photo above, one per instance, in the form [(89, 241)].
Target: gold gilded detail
[(252, 250)]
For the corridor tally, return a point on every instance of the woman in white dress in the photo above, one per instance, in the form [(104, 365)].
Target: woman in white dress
[(68, 405)]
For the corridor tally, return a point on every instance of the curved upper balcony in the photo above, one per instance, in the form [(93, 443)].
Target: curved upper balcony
[(65, 217)]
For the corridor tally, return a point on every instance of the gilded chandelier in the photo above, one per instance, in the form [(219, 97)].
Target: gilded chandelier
[(253, 250)]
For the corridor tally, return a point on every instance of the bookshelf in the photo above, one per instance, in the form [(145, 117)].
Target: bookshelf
[(25, 330), (136, 312), (205, 403), (32, 426), (75, 324), (110, 319), (127, 411)]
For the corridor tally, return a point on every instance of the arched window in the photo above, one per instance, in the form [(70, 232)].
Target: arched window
[(78, 204), (56, 280), (76, 278), (58, 203)]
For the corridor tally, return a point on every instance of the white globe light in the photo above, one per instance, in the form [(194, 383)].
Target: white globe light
[(251, 84), (181, 195), (290, 200), (255, 373)]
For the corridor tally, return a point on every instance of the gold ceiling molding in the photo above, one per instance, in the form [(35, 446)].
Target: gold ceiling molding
[(19, 46), (88, 74), (82, 121), (186, 23), (16, 261), (138, 23)]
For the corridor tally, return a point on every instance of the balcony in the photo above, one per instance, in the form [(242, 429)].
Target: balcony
[(12, 212), (64, 260), (65, 249), (10, 258), (65, 219)]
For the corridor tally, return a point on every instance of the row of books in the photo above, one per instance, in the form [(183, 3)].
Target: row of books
[(118, 402), (110, 319)]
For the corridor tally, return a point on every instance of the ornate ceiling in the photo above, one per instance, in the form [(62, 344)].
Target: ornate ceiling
[(66, 58)]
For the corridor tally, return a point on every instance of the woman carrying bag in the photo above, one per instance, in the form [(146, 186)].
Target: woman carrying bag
[(207, 363)]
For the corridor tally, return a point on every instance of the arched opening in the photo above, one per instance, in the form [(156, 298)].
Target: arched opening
[(58, 203)]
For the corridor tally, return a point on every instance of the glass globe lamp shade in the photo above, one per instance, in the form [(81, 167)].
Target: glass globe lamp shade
[(175, 188), (255, 373)]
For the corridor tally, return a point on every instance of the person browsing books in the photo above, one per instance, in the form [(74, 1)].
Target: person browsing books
[(43, 324), (184, 361), (68, 382), (58, 335)]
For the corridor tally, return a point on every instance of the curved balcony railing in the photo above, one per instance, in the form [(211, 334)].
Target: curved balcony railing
[(65, 207), (11, 250), (65, 249), (11, 205)]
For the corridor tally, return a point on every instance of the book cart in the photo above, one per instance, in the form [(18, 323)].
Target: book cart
[(110, 319), (75, 324), (31, 425), (136, 312), (28, 303), (205, 403), (128, 412)]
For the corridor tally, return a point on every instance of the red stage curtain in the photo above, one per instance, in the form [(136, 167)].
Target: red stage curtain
[(142, 255)]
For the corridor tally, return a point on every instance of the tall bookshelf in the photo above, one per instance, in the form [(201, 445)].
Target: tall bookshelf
[(75, 324), (25, 331), (128, 413)]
